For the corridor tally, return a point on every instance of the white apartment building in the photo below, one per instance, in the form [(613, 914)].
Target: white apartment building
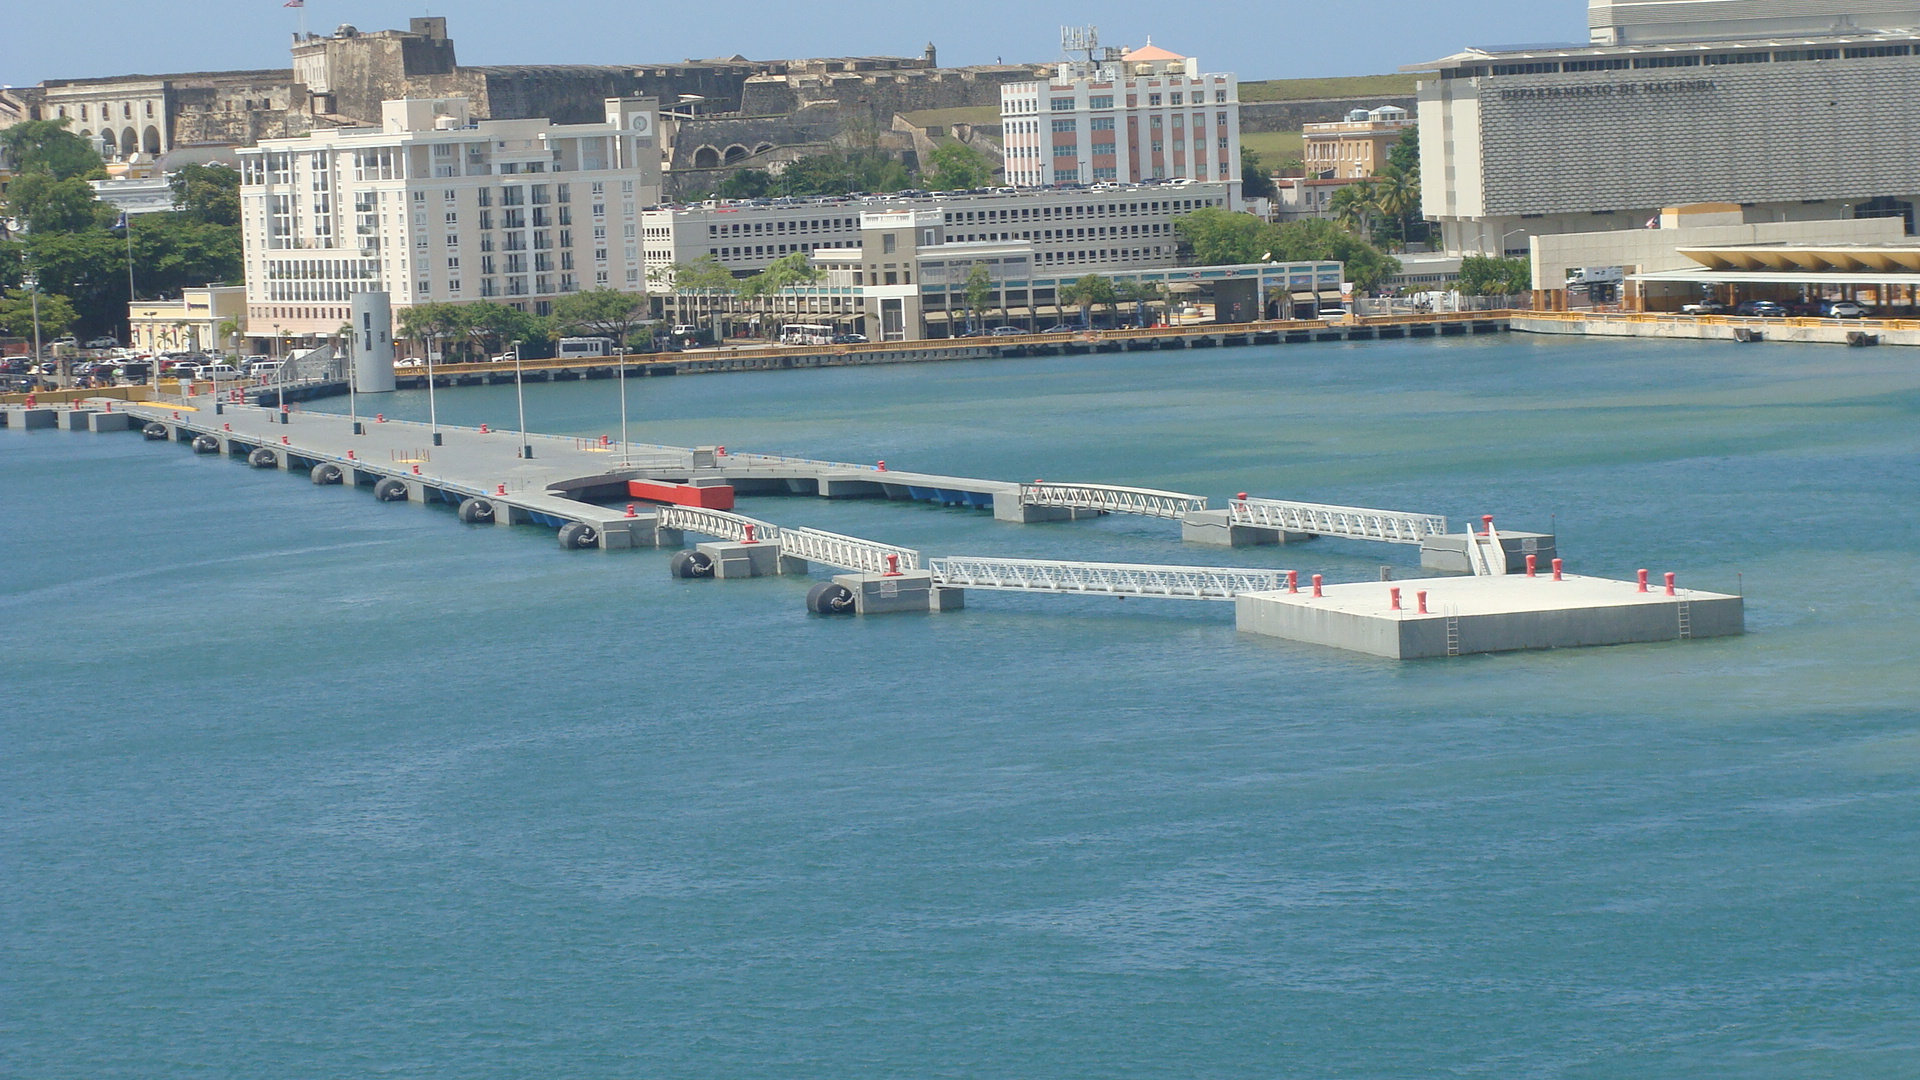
[(1150, 114), (1095, 229), (435, 206)]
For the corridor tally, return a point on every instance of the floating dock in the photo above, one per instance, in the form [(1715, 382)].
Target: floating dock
[(514, 478)]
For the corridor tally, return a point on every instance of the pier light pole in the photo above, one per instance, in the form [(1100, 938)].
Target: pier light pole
[(32, 282), (279, 373), (520, 392), (433, 416), (626, 452)]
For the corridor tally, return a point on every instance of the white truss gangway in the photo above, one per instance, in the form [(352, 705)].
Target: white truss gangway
[(717, 523), (847, 552), (1386, 526), (1103, 579), (1145, 502)]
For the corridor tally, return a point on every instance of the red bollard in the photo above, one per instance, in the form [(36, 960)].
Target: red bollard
[(630, 511), (483, 430), (881, 466), (893, 566), (1421, 596), (719, 451), (349, 455), (1670, 584), (1558, 566), (500, 489), (416, 470), (1487, 519), (34, 399), (1394, 593), (284, 441), (176, 416), (109, 404), (1293, 581), (606, 440), (750, 539), (226, 427), (1533, 566), (1316, 586), (379, 418), (284, 410), (1242, 496), (1643, 581)]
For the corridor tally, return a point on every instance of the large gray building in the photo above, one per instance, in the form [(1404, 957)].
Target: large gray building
[(1808, 124)]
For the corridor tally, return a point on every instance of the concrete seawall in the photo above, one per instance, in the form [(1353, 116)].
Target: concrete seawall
[(1719, 328)]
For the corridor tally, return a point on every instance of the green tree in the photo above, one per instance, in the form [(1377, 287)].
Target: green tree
[(1405, 154), (706, 279), (1091, 290), (227, 331), (1320, 240), (1397, 194), (56, 315), (955, 166), (977, 294), (426, 322), (601, 312), (1254, 181), (207, 194), (745, 184), (785, 271), (1223, 238), (46, 146), (46, 204), (1141, 294), (1355, 205), (1484, 275)]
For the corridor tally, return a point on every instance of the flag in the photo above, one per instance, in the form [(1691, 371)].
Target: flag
[(295, 3), (122, 223)]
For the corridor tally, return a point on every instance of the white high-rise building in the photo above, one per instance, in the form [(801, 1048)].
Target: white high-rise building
[(1148, 114), (434, 206)]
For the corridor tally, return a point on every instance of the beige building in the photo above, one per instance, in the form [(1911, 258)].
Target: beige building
[(189, 324), (433, 205), (1354, 148)]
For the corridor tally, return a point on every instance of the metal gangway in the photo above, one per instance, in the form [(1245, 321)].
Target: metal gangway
[(1386, 526), (1145, 502), (717, 523), (1103, 579), (847, 552)]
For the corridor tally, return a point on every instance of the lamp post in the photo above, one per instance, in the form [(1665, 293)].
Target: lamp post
[(279, 373), (32, 282), (520, 392), (626, 452), (433, 416)]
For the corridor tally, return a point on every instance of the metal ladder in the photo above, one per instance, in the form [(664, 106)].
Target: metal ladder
[(1453, 635), (1686, 620)]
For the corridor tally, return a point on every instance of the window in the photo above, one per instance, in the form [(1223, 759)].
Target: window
[(1066, 125), (1103, 148), (1065, 152), (453, 240), (888, 244), (1153, 99), (1177, 99), (1101, 101), (1063, 104), (1614, 64), (486, 219), (453, 218), (513, 196), (1526, 69), (1220, 118), (453, 262), (1660, 62), (1100, 123), (1219, 95)]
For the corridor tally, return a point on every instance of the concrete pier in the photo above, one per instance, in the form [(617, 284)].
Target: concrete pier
[(1448, 554), (1487, 614)]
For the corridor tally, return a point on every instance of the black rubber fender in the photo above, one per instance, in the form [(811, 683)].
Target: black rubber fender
[(390, 490), (575, 535), (830, 598), (263, 458), (476, 511), (154, 431), (691, 564), (326, 473), (206, 444)]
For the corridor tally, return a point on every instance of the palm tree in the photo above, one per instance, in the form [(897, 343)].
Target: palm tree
[(1398, 194), (1354, 206), (230, 329), (1140, 293)]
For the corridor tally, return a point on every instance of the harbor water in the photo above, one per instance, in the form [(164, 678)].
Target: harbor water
[(299, 784)]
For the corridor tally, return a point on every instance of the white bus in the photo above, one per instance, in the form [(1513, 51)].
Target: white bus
[(584, 346), (806, 334)]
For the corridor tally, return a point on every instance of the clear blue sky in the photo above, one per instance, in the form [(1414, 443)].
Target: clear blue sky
[(45, 39)]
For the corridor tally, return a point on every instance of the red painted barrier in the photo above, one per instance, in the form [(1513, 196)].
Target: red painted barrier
[(706, 498)]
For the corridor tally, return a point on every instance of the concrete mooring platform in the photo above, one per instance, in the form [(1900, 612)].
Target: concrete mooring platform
[(1488, 614)]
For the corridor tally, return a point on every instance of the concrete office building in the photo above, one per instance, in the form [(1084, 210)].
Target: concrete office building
[(1139, 115), (435, 206), (1794, 113), (1087, 230)]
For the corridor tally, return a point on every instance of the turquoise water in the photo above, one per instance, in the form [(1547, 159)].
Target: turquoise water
[(298, 784)]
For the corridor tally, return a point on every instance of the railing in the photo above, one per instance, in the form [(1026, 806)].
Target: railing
[(716, 523), (1675, 318), (847, 552), (1145, 502), (1387, 526), (1103, 579)]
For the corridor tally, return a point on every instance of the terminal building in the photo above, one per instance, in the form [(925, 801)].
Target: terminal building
[(1798, 112), (432, 205)]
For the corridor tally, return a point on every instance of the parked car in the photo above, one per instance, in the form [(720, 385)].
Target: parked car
[(1761, 309), (183, 370), (219, 371), (850, 339), (1333, 314), (507, 357), (1846, 309), (263, 369), (1005, 331), (1704, 307), (102, 343), (1062, 328)]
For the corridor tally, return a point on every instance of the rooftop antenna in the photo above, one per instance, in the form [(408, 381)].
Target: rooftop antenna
[(1080, 39)]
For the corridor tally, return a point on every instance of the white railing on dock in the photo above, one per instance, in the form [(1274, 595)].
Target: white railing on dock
[(716, 523), (1145, 502), (847, 552), (1387, 526), (1103, 579)]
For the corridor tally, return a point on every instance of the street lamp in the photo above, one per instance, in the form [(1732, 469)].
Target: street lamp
[(32, 282), (520, 392), (433, 416)]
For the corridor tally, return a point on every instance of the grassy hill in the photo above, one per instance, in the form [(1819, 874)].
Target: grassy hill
[(1309, 89), (1275, 148)]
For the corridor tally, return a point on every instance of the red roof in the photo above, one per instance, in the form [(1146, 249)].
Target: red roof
[(1150, 51)]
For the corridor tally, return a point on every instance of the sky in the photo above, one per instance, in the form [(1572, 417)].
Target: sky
[(1257, 39)]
